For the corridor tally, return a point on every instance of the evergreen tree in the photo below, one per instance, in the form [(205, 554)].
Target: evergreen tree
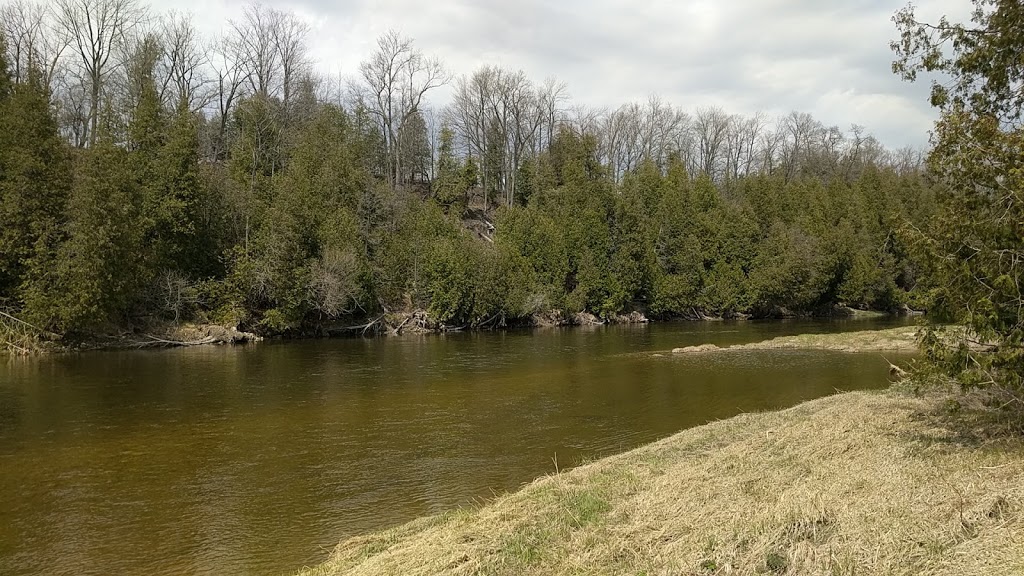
[(307, 245), (582, 204), (258, 154), (6, 81), (146, 132), (532, 235), (182, 204), (99, 274), (633, 261), (9, 259), (975, 249), (35, 177), (449, 185), (677, 247)]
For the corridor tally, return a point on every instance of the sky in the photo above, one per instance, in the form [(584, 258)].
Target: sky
[(829, 58)]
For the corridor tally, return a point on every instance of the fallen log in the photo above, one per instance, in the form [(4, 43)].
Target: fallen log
[(154, 341)]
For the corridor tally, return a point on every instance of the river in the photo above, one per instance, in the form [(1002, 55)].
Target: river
[(259, 459)]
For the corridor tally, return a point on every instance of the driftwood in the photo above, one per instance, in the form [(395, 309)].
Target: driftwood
[(364, 327), (398, 329), (498, 319), (20, 336), (154, 341), (895, 372), (17, 320), (198, 336)]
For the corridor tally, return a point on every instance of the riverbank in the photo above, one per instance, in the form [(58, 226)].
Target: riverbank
[(857, 483), (161, 335)]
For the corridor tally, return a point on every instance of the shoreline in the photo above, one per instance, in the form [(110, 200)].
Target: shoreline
[(855, 483), (202, 334)]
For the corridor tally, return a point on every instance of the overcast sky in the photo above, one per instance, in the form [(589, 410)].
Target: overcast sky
[(830, 58)]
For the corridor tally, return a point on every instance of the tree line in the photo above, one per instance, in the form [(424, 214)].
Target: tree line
[(150, 174)]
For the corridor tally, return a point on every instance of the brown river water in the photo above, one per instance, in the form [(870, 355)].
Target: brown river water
[(259, 459)]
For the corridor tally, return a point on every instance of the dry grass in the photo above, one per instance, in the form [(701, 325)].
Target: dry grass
[(903, 338), (858, 483)]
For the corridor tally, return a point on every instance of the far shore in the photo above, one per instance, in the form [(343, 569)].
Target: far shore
[(28, 339)]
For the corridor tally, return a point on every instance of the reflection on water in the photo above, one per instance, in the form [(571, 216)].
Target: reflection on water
[(257, 460)]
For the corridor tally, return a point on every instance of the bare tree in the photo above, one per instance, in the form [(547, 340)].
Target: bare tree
[(73, 110), (97, 30), (468, 115), (610, 142), (636, 133), (769, 144), (660, 123), (502, 117), (734, 147), (828, 151), (798, 130), (254, 39), (290, 42), (621, 139), (33, 42), (184, 62), (752, 131), (906, 160), (334, 282), (552, 95), (434, 125), (226, 63), (685, 145), (396, 77), (517, 111), (711, 126), (583, 120), (741, 148)]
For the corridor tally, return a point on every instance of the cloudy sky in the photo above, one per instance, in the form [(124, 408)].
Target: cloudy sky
[(830, 58)]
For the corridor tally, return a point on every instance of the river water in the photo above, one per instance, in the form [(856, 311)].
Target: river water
[(259, 459)]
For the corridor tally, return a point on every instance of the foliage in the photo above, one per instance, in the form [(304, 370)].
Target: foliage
[(972, 248)]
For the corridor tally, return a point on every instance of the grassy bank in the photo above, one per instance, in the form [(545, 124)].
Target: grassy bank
[(903, 338), (858, 483)]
